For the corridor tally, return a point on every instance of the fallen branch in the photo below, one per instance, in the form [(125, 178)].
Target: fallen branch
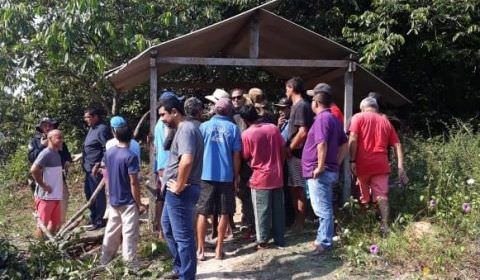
[(139, 124), (64, 227)]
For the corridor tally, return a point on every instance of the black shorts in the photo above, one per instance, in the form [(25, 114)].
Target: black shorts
[(216, 198)]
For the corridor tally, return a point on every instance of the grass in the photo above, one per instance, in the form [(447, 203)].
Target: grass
[(425, 242)]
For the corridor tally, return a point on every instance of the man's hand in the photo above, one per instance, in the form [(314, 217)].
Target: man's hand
[(141, 208), (317, 171), (95, 169), (66, 166), (44, 141), (281, 121), (353, 168), (236, 184), (173, 187), (402, 176), (47, 188)]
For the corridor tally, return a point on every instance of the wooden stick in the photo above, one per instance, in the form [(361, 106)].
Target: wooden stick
[(139, 124), (79, 212)]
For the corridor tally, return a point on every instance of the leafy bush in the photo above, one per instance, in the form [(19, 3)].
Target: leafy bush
[(444, 194)]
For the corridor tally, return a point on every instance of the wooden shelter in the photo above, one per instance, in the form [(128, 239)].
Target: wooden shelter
[(259, 38)]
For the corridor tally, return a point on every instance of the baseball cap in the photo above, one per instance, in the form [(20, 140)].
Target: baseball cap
[(53, 122), (320, 87), (117, 122), (170, 94), (217, 94)]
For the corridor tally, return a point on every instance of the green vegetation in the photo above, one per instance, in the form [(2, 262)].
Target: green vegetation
[(435, 227), (54, 53)]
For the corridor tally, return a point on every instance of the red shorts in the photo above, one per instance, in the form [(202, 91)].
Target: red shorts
[(374, 185), (48, 211)]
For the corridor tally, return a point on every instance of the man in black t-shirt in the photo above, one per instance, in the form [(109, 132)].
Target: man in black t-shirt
[(301, 118)]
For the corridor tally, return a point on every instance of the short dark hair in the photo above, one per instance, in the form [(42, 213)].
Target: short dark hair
[(172, 103), (123, 134), (93, 111), (249, 113), (324, 98), (297, 84)]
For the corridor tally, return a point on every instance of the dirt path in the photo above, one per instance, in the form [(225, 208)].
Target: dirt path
[(292, 262)]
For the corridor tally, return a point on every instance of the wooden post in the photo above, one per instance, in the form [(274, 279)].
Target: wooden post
[(254, 37), (153, 121), (348, 111), (115, 102)]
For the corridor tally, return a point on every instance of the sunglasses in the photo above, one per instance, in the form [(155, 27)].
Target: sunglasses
[(237, 97)]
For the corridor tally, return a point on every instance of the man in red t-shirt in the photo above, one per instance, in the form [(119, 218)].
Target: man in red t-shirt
[(371, 134), (262, 148)]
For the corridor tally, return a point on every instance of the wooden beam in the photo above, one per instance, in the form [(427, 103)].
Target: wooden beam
[(347, 111), (217, 61), (153, 121), (195, 85), (254, 37)]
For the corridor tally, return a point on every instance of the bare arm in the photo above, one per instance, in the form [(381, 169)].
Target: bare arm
[(402, 175), (342, 152), (36, 171), (321, 155), (184, 168), (299, 138), (352, 147)]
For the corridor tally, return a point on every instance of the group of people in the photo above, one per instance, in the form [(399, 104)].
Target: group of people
[(235, 146)]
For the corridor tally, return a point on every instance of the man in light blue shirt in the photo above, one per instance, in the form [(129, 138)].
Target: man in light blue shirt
[(221, 166)]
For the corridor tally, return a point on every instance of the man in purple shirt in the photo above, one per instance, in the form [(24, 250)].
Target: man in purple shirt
[(324, 150)]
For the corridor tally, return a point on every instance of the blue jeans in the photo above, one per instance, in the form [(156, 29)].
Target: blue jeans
[(269, 210), (97, 208), (321, 195), (177, 225)]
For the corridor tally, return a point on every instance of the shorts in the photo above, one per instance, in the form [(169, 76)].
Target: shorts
[(295, 177), (49, 212), (373, 187), (216, 198)]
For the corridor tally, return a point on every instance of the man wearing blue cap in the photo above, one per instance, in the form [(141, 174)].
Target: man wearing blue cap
[(124, 197)]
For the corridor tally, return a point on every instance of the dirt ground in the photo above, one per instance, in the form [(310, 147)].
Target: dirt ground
[(294, 261)]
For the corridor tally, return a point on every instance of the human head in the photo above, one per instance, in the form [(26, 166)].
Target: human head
[(123, 134), (320, 87), (378, 98), (193, 108), (249, 114), (320, 101), (223, 107), (169, 94), (171, 112), (294, 86), (116, 123), (238, 100), (46, 124), (216, 95), (55, 139), (92, 116), (283, 107), (368, 103)]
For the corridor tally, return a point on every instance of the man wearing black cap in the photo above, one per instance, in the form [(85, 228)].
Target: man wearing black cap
[(40, 142)]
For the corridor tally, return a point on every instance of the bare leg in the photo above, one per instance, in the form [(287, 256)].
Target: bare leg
[(222, 226), (201, 232), (299, 204), (158, 214), (384, 212)]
